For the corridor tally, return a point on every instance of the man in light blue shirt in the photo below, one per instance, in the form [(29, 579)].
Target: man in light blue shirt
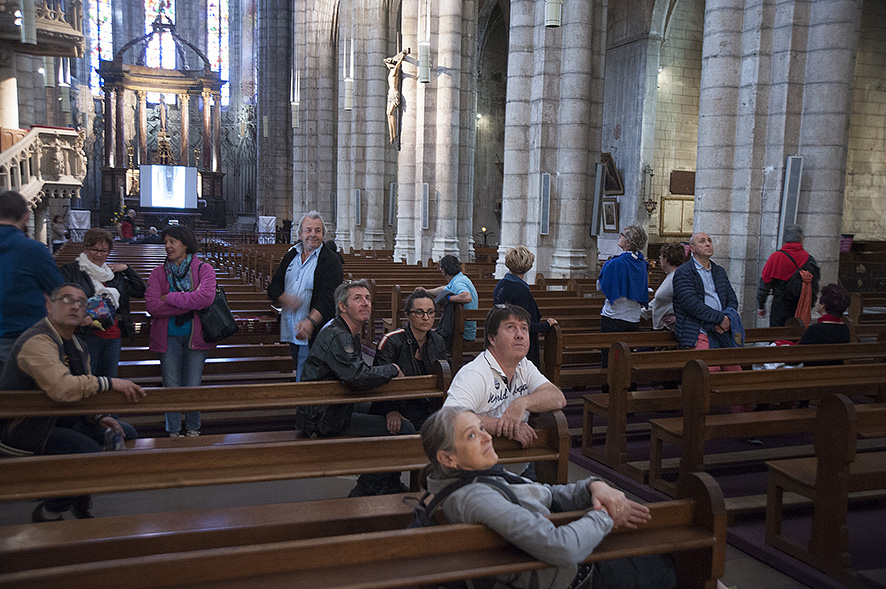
[(462, 290)]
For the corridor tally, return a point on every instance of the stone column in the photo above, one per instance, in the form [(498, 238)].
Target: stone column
[(207, 135), (142, 127), (120, 131), (467, 129), (579, 129), (717, 127), (517, 117), (109, 127), (824, 135), (8, 90), (407, 191), (448, 82), (376, 136), (216, 131), (183, 156)]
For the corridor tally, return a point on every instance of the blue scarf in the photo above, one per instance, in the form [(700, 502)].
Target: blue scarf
[(178, 275), (626, 276)]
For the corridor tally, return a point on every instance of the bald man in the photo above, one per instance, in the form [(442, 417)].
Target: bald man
[(704, 301)]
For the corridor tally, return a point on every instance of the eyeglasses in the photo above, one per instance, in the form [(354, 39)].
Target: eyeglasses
[(621, 235), (72, 300), (97, 251), (422, 313)]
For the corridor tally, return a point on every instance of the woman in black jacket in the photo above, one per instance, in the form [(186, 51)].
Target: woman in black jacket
[(304, 286), (117, 282), (513, 289)]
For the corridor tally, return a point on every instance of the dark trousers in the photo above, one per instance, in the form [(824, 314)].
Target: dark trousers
[(610, 325)]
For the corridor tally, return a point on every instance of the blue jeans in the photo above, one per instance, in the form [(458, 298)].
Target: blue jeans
[(299, 355), (77, 435), (104, 355), (180, 366)]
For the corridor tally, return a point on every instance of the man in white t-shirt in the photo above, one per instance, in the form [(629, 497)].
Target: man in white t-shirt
[(501, 386)]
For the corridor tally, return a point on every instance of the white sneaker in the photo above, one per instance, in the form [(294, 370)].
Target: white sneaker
[(174, 434), (192, 432)]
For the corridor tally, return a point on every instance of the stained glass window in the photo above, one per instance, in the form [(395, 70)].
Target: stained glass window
[(217, 46), (101, 35), (161, 52)]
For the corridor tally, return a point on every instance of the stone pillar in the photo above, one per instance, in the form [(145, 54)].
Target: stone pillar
[(374, 115), (824, 135), (216, 131), (517, 117), (142, 127), (448, 82), (8, 90), (467, 129), (579, 138), (408, 187), (717, 127), (120, 130), (207, 134), (184, 156), (109, 127)]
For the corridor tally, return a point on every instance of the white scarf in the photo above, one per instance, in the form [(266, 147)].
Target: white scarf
[(100, 275)]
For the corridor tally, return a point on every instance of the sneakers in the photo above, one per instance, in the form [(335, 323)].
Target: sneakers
[(42, 515), (173, 434), (192, 433)]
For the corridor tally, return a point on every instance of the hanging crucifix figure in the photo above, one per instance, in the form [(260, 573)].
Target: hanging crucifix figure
[(394, 65)]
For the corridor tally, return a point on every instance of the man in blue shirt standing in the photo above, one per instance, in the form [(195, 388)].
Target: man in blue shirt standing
[(28, 273), (462, 290)]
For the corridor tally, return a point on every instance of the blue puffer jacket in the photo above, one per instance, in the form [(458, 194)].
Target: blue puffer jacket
[(689, 307)]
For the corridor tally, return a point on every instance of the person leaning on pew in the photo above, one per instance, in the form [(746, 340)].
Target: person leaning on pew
[(49, 357), (459, 447), (501, 385), (337, 354)]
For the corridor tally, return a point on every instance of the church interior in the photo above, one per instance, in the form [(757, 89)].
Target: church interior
[(419, 129)]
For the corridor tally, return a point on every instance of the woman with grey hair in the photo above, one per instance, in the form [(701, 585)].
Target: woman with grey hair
[(459, 447), (513, 289), (304, 285), (624, 280)]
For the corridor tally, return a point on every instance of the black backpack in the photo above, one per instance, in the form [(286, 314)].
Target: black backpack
[(794, 285), (423, 512)]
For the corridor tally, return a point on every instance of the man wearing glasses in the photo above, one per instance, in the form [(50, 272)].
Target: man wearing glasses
[(49, 357), (415, 348), (27, 273)]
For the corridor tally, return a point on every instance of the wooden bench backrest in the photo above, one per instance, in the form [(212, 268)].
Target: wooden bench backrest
[(692, 528)]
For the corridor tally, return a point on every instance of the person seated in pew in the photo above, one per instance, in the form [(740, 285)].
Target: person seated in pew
[(829, 329), (415, 348), (337, 354), (459, 446), (501, 385), (513, 289), (49, 357), (458, 289)]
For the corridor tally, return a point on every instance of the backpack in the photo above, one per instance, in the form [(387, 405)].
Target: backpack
[(794, 285), (423, 512)]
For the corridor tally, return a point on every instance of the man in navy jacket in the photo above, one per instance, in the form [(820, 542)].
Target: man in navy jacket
[(703, 299)]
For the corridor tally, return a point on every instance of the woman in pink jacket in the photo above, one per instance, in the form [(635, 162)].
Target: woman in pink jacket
[(176, 289)]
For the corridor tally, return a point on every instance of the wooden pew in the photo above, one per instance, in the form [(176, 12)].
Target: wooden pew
[(628, 368), (704, 390), (691, 529), (828, 478), (111, 472)]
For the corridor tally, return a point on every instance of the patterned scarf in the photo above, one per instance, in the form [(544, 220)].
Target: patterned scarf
[(99, 275), (178, 275)]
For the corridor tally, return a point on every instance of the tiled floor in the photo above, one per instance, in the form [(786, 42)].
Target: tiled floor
[(742, 571)]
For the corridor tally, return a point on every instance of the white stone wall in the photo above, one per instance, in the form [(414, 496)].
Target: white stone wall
[(676, 117), (864, 212)]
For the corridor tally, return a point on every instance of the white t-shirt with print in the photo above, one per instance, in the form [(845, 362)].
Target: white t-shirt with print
[(482, 386)]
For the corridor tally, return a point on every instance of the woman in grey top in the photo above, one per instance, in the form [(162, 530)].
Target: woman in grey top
[(459, 447)]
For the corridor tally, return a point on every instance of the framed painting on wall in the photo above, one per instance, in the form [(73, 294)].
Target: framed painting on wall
[(610, 215), (612, 184), (676, 216)]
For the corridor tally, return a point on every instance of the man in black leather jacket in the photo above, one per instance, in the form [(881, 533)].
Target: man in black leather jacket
[(338, 355)]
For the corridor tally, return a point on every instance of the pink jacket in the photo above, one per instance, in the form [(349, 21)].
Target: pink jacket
[(203, 277)]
